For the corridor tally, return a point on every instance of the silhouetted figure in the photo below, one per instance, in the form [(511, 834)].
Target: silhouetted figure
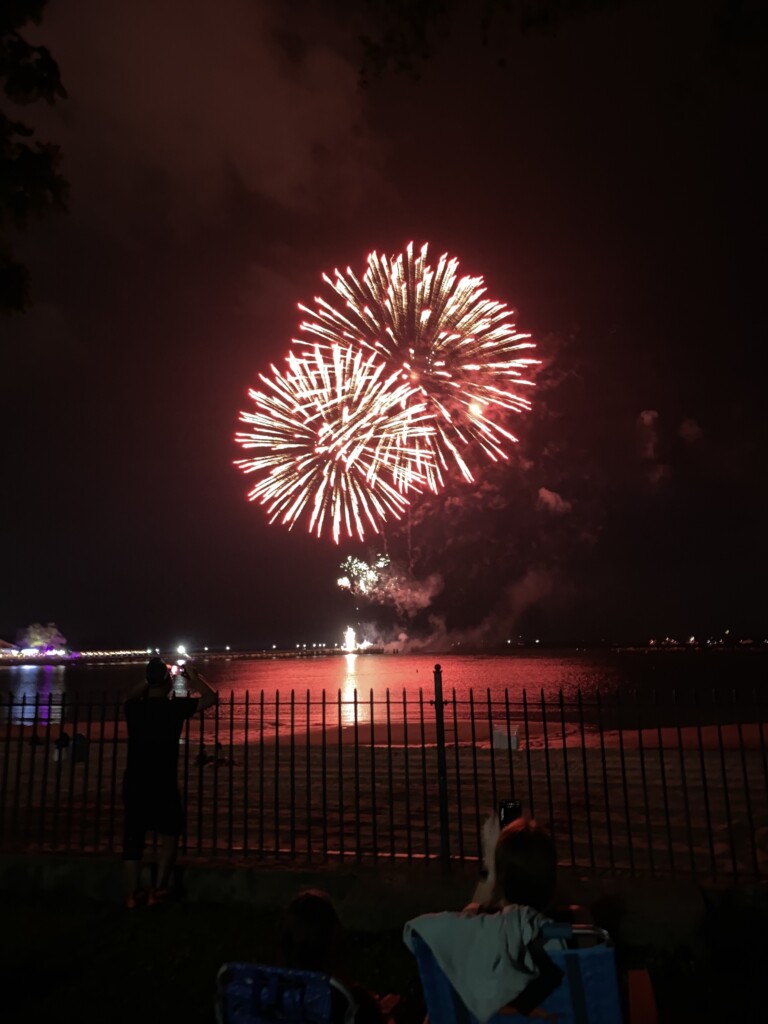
[(219, 756), (222, 757), (203, 757), (311, 940), (150, 785), (61, 746)]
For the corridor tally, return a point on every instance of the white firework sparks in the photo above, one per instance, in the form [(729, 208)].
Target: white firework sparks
[(459, 351), (336, 439)]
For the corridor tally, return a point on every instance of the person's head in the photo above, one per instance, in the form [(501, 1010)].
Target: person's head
[(310, 932), (526, 864), (158, 676)]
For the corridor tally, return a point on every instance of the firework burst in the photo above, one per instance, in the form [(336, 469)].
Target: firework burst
[(459, 352), (336, 439), (360, 577)]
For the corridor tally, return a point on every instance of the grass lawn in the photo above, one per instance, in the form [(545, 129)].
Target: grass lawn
[(80, 961), (65, 959)]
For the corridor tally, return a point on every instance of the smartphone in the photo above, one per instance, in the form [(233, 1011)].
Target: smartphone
[(509, 810)]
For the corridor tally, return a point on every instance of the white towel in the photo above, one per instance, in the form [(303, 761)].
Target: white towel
[(485, 956)]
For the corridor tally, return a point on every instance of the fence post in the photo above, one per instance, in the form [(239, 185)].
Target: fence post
[(442, 769)]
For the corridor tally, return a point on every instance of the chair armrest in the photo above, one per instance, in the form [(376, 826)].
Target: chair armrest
[(564, 930)]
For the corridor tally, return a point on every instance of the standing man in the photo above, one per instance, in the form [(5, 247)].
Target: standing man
[(150, 785)]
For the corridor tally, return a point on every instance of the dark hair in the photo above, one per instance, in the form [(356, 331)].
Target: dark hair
[(157, 672), (526, 864), (310, 932)]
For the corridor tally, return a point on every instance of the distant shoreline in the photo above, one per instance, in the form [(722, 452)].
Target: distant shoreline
[(133, 658)]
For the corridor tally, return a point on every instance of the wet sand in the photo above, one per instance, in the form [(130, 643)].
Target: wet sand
[(670, 801)]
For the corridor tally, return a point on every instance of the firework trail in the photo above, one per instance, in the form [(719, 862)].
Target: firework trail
[(337, 440), (459, 351)]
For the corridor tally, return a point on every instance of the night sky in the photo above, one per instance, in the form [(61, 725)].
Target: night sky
[(608, 180)]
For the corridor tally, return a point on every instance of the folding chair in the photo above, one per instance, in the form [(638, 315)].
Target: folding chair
[(260, 994), (587, 994)]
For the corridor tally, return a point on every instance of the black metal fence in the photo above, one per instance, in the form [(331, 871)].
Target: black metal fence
[(642, 785)]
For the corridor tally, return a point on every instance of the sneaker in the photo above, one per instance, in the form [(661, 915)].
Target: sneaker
[(138, 898), (158, 897)]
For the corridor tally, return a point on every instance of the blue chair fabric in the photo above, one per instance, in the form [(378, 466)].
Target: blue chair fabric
[(587, 994), (249, 993)]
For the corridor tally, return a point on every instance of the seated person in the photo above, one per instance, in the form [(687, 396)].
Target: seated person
[(521, 863), (493, 953), (310, 940)]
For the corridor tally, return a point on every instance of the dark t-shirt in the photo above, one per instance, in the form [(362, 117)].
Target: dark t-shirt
[(154, 730)]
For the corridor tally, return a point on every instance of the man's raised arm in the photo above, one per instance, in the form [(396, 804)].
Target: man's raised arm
[(139, 690), (208, 697)]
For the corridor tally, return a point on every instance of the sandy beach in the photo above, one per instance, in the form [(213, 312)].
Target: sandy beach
[(672, 801)]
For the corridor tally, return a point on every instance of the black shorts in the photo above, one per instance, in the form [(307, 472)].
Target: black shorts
[(149, 808)]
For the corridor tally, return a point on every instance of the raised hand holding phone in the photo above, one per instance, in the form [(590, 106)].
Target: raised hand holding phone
[(509, 811), (491, 829)]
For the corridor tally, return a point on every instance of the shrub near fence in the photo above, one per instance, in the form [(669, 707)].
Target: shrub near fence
[(644, 787)]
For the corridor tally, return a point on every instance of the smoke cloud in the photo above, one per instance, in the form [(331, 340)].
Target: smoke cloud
[(536, 585), (195, 103), (552, 501), (648, 433), (690, 431), (409, 596)]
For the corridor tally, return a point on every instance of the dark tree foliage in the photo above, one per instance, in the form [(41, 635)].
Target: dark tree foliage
[(404, 33), (406, 30), (30, 182)]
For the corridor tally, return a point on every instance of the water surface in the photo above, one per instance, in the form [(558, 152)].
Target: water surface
[(577, 671)]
